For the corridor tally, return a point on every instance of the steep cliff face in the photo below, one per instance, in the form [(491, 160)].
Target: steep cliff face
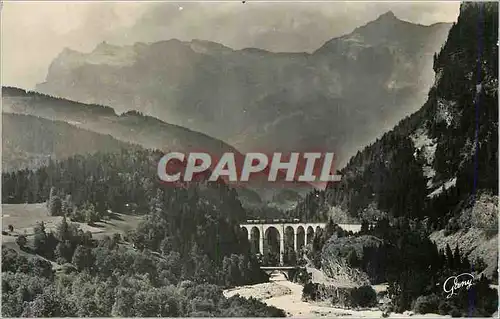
[(463, 104), (339, 97), (464, 127), (448, 150), (439, 166)]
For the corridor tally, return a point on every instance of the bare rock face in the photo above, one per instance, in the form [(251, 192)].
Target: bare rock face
[(335, 255), (335, 98)]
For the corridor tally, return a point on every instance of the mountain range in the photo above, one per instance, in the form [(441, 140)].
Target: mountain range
[(129, 128), (38, 127), (337, 98)]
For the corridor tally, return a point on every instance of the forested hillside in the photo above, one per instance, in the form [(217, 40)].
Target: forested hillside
[(101, 123), (435, 160), (414, 268), (130, 127), (189, 243), (30, 141)]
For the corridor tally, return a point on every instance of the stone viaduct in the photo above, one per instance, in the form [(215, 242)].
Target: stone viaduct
[(291, 233)]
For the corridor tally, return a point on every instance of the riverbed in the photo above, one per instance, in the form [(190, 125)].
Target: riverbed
[(286, 295)]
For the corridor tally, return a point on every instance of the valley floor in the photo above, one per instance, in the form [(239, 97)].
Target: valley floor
[(286, 295)]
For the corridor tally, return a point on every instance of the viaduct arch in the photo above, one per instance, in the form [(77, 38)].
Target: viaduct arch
[(265, 235)]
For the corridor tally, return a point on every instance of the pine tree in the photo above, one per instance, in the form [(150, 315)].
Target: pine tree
[(63, 252), (62, 231), (156, 205), (40, 238), (21, 241), (457, 263), (51, 194), (449, 257), (352, 259), (67, 206), (365, 227), (82, 258), (466, 266), (54, 203)]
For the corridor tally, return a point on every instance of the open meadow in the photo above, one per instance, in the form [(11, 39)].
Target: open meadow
[(24, 217)]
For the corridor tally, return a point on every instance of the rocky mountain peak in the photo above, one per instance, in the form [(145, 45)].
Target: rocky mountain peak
[(388, 16), (234, 94), (385, 21)]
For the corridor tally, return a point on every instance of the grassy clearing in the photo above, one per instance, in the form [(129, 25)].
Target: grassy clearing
[(25, 216)]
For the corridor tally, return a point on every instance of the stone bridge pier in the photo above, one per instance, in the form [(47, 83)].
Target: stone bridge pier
[(263, 235)]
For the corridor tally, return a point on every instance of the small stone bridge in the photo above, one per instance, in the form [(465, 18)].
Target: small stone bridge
[(288, 271), (275, 234)]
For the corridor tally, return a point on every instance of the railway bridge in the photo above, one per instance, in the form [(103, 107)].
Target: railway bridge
[(276, 234)]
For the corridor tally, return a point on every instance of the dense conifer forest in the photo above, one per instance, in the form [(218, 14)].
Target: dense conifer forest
[(186, 249)]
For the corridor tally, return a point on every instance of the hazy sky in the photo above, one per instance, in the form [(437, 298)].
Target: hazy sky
[(33, 33)]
